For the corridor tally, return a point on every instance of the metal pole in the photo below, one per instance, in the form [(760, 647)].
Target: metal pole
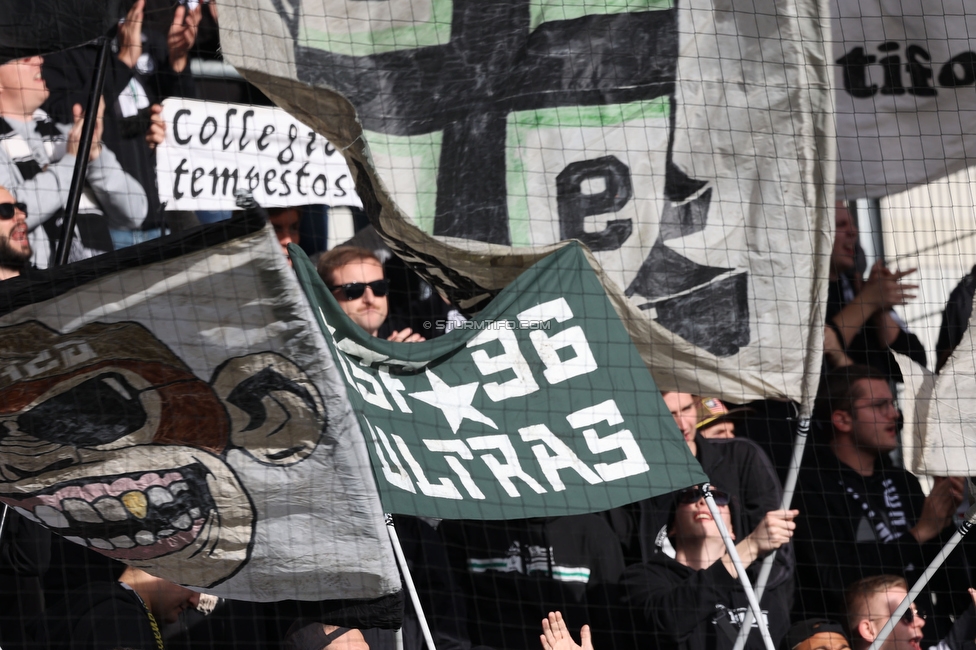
[(3, 519), (802, 431), (924, 578), (737, 563), (84, 150), (411, 588), (867, 212)]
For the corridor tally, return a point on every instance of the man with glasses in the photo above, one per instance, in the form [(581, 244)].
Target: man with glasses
[(871, 602), (15, 249), (862, 515), (356, 279)]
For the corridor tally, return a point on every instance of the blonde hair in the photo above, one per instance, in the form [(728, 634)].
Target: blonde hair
[(339, 257), (859, 594)]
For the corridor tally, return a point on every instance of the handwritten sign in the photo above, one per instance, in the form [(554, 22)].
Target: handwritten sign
[(213, 149)]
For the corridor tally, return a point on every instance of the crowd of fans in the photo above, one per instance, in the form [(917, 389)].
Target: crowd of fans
[(656, 574)]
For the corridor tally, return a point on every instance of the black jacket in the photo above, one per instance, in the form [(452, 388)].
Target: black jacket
[(515, 572), (852, 526), (99, 616), (700, 610)]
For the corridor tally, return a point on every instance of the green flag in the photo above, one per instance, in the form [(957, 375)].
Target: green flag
[(540, 407)]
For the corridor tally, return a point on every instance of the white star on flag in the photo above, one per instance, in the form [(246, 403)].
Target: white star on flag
[(453, 401)]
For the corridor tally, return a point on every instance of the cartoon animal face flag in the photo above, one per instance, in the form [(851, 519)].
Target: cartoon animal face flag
[(182, 417)]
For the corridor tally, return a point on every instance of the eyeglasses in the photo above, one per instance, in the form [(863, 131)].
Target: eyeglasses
[(693, 494), (878, 405), (355, 290), (9, 210)]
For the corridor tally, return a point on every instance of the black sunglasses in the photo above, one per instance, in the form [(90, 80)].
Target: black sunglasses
[(693, 494), (9, 210), (909, 616), (354, 290)]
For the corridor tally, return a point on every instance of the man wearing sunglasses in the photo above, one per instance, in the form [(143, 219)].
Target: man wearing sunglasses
[(15, 250), (863, 515), (871, 602), (355, 277)]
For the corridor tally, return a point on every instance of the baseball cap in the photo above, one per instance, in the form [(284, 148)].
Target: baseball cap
[(712, 411), (803, 630)]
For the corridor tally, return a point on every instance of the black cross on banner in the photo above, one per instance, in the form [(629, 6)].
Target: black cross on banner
[(495, 64)]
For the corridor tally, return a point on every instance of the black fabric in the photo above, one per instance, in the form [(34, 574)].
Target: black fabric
[(741, 468), (25, 554), (963, 634), (440, 597), (516, 572), (687, 609), (772, 424), (43, 26), (866, 347), (98, 616), (955, 317), (852, 526), (385, 612)]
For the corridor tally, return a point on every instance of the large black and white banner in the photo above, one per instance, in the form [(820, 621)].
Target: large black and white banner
[(905, 89), (688, 147)]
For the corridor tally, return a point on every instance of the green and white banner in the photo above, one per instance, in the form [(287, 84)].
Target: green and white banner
[(540, 407)]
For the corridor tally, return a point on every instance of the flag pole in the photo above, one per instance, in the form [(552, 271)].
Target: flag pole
[(802, 431), (408, 579), (737, 563), (76, 188), (926, 576)]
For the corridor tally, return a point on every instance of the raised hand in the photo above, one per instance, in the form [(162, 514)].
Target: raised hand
[(884, 288), (182, 35), (130, 35), (939, 507), (157, 127), (74, 136), (775, 529), (555, 635), (405, 335)]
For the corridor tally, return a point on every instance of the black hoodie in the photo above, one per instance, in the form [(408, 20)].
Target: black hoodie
[(688, 609)]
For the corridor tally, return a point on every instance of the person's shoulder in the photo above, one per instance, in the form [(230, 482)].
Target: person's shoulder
[(742, 452), (737, 447), (819, 465), (658, 567)]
